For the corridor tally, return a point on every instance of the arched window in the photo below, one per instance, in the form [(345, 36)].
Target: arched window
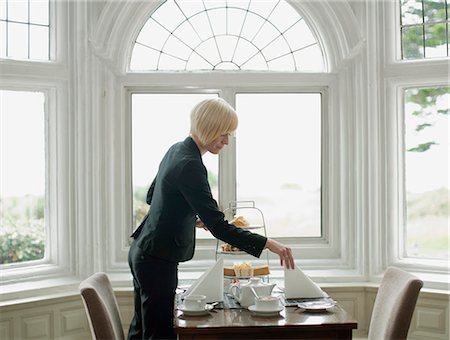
[(226, 35), (220, 36)]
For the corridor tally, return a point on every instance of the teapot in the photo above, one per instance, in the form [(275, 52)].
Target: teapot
[(245, 293)]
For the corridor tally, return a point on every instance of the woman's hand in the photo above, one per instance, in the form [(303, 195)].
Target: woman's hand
[(284, 252), (200, 224)]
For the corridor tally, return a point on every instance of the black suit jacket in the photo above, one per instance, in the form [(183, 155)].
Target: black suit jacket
[(178, 194)]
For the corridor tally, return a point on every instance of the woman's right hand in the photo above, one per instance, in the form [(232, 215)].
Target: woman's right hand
[(284, 252)]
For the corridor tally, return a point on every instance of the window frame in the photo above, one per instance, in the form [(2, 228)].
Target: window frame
[(396, 203), (335, 248), (49, 77), (398, 75), (56, 201)]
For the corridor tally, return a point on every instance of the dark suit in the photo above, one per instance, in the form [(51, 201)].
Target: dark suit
[(179, 193)]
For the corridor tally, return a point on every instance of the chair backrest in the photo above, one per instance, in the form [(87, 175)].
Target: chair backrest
[(101, 307), (394, 305)]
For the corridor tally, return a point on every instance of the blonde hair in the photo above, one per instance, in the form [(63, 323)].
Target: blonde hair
[(212, 118)]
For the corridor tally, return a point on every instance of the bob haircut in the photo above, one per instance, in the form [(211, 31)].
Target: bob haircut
[(212, 118)]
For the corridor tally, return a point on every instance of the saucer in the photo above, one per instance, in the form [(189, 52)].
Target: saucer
[(264, 312), (196, 312), (316, 306)]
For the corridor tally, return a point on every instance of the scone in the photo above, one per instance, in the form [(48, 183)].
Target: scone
[(240, 221)]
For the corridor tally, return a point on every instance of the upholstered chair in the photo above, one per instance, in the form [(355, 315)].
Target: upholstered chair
[(394, 305), (101, 308)]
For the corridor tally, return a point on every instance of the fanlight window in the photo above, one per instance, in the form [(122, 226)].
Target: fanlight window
[(226, 35)]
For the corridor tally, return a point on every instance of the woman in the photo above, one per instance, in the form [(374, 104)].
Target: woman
[(180, 199)]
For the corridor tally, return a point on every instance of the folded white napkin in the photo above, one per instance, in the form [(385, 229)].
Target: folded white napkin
[(298, 285), (209, 284)]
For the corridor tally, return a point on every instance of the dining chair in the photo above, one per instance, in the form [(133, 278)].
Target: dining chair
[(101, 307), (394, 305)]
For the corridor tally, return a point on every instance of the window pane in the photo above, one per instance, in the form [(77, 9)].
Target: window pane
[(279, 160), (18, 11), (426, 171), (39, 12), (412, 42), (3, 9), (3, 39), (22, 193), (39, 42), (411, 12), (158, 121), (17, 40), (436, 41), (434, 11)]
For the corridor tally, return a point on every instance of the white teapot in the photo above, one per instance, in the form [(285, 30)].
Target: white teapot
[(245, 293)]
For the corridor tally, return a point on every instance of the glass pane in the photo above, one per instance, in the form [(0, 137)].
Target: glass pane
[(18, 11), (153, 35), (39, 10), (279, 160), (201, 24), (3, 39), (186, 33), (251, 26), (218, 19), (167, 62), (434, 11), (284, 63), (226, 45), (412, 42), (39, 42), (275, 49), (3, 9), (235, 21), (177, 48), (426, 171), (411, 12), (22, 193), (435, 41), (144, 58), (167, 116), (299, 36), (266, 35), (284, 16), (169, 15), (310, 58), (208, 50), (17, 40)]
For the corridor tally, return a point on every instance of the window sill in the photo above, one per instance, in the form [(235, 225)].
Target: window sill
[(63, 288)]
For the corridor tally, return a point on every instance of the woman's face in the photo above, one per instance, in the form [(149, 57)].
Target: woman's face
[(217, 144)]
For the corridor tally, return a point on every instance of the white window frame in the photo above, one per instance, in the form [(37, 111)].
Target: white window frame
[(399, 75), (334, 250), (50, 78)]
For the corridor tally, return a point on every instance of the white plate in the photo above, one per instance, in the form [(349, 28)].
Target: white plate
[(195, 312), (318, 306), (263, 312)]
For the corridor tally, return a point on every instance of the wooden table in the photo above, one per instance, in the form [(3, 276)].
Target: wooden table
[(292, 323)]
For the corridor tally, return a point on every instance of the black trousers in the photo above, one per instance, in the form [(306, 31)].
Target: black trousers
[(155, 281)]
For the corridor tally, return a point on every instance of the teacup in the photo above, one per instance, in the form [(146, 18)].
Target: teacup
[(267, 303), (195, 302)]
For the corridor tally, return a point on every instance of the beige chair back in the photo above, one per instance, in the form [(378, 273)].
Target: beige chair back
[(394, 305), (101, 308)]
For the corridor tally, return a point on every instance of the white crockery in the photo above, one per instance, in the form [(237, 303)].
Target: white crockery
[(195, 302), (267, 303)]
